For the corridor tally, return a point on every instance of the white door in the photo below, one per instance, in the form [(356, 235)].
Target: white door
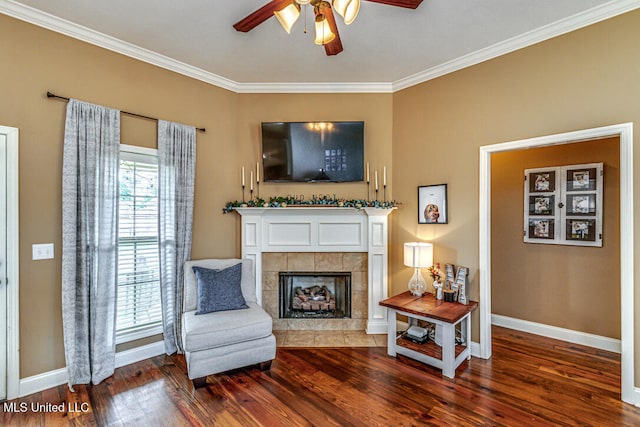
[(3, 267)]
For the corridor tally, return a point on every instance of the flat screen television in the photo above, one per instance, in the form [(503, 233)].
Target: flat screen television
[(313, 151)]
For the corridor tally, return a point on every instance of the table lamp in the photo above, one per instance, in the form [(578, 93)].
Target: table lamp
[(418, 255)]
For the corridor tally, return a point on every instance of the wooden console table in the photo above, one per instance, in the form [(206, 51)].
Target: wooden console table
[(445, 315)]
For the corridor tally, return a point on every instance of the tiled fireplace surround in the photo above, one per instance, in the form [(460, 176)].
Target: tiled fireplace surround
[(274, 263), (304, 239)]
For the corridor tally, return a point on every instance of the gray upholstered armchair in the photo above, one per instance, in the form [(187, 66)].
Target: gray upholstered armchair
[(219, 341)]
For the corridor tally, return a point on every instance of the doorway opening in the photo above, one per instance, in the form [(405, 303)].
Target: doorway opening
[(9, 262), (625, 133)]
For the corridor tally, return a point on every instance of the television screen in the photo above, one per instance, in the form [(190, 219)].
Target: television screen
[(313, 151)]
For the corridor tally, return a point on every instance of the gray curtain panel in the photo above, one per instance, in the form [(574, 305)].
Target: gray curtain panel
[(176, 170), (89, 240)]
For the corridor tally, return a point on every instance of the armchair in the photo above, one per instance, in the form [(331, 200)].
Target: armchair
[(223, 340)]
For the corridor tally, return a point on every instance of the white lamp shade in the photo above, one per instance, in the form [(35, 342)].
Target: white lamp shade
[(418, 254), (348, 9), (324, 34), (288, 16)]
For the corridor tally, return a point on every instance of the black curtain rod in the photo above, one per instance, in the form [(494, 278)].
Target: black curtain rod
[(51, 95)]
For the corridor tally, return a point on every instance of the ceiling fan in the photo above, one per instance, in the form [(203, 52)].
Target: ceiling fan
[(288, 11)]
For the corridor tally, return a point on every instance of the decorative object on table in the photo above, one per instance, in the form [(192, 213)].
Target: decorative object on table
[(563, 205), (449, 295), (437, 276), (432, 204), (437, 287), (462, 285), (450, 278), (418, 255)]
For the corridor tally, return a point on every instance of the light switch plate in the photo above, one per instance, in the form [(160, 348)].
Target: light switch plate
[(42, 251)]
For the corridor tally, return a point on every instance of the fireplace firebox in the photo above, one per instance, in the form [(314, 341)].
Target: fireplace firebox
[(321, 295)]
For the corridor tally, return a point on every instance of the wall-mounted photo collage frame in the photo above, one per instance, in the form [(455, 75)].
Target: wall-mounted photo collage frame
[(563, 205)]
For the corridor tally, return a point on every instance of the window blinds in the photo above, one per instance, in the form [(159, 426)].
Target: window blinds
[(139, 307)]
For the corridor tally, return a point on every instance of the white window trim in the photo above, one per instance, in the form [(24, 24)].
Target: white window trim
[(140, 154)]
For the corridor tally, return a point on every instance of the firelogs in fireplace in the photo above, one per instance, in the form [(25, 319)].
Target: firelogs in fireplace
[(313, 298)]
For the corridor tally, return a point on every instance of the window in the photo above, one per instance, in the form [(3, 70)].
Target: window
[(139, 307)]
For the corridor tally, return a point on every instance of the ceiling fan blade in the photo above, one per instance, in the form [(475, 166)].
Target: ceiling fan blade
[(260, 15), (334, 47), (410, 4)]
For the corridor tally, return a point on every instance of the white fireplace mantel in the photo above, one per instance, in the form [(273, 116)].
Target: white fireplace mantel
[(323, 229)]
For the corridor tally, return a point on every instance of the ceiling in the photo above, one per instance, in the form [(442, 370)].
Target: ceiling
[(386, 49)]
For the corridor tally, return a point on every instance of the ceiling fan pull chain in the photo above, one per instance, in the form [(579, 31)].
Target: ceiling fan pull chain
[(305, 19)]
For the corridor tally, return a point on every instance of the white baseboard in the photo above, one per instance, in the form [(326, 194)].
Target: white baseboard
[(377, 328), (37, 383), (576, 337), (636, 397), (40, 382), (137, 354), (475, 349)]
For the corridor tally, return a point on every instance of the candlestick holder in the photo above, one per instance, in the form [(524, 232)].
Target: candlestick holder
[(368, 191), (376, 194), (250, 194), (243, 194), (384, 193), (258, 189)]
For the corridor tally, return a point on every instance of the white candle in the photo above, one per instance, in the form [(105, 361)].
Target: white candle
[(367, 172), (243, 176), (258, 172), (376, 175), (384, 176), (251, 181)]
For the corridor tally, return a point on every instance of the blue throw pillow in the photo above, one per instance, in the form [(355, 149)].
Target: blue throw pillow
[(219, 290)]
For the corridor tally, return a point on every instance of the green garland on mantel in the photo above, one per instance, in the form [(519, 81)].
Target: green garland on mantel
[(324, 201)]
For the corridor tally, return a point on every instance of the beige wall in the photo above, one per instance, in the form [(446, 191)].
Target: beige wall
[(36, 61), (582, 80), (569, 287)]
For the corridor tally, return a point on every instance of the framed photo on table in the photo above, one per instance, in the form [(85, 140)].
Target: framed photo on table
[(432, 204)]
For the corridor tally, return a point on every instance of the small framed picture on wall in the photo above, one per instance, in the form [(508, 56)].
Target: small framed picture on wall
[(582, 179), (542, 181), (542, 229), (432, 204)]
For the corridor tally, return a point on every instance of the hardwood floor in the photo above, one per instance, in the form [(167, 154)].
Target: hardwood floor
[(530, 381)]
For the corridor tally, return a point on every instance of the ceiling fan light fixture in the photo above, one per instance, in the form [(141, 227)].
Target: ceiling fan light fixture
[(348, 9), (288, 16), (324, 34)]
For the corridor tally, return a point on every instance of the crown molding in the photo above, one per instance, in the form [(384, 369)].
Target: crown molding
[(314, 87), (563, 26)]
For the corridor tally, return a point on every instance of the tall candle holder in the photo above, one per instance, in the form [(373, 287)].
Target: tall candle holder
[(258, 189), (384, 193), (243, 193)]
